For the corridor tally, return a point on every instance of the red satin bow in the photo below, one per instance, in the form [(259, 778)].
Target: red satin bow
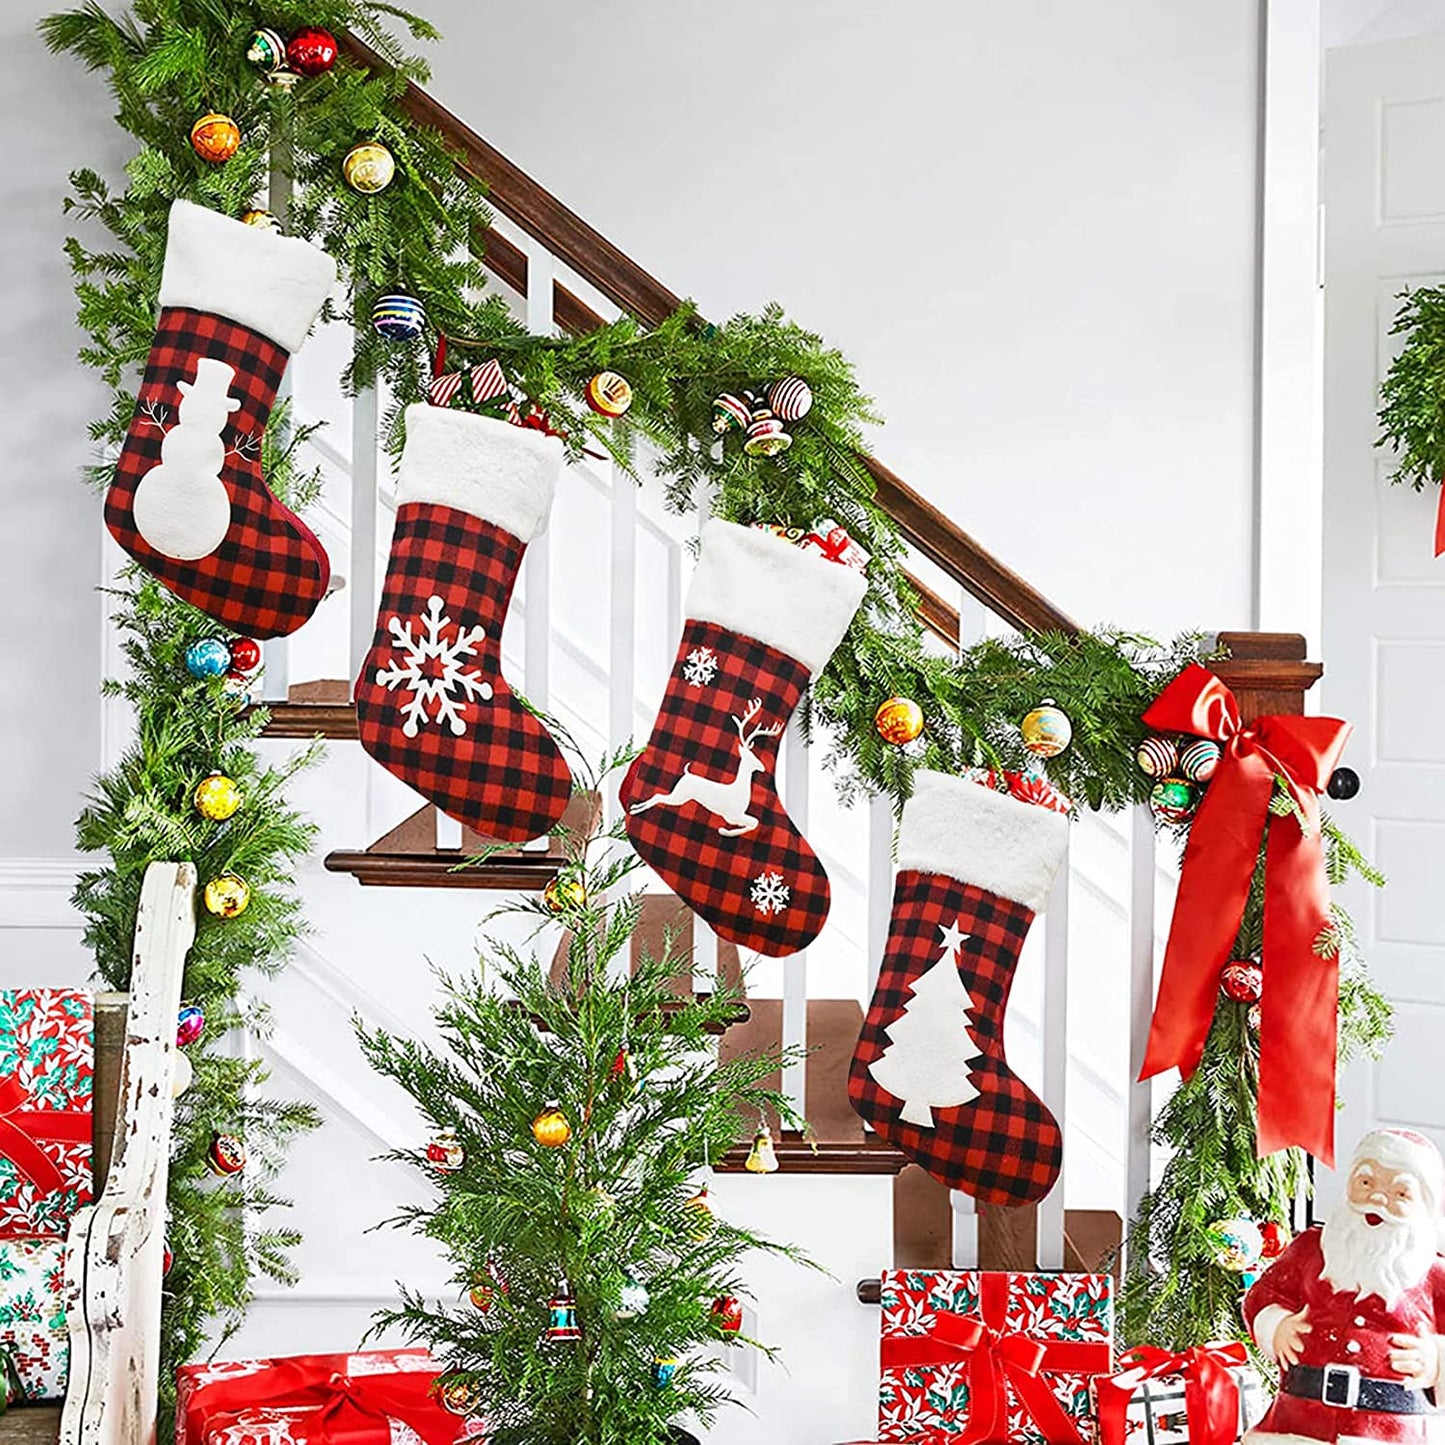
[(1211, 1391), (1299, 1004), (997, 1359), (20, 1127), (340, 1409)]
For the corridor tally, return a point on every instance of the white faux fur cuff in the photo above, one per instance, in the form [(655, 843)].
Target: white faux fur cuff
[(502, 473), (1266, 1322), (759, 585), (971, 833), (273, 284)]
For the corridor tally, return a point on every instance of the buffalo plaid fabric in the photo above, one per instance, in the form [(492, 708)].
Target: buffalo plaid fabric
[(1003, 1147), (702, 807), (269, 572), (432, 706)]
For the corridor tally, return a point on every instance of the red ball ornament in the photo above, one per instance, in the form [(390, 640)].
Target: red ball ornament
[(727, 1314), (311, 51), (1241, 981), (245, 654)]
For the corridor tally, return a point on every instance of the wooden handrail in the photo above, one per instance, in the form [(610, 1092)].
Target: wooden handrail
[(592, 256)]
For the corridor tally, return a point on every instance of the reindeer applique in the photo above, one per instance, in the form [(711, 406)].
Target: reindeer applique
[(728, 801)]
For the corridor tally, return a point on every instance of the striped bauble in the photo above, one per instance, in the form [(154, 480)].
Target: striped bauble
[(790, 399), (1198, 760), (1157, 756), (730, 413), (399, 318)]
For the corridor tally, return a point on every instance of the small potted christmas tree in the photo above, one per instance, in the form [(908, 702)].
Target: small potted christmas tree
[(575, 1113)]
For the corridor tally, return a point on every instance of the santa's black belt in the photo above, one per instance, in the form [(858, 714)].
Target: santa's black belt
[(1343, 1386)]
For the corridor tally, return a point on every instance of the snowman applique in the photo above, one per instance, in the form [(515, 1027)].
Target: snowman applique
[(181, 507)]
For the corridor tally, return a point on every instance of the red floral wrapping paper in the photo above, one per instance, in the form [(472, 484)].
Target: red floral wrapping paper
[(32, 1315), (972, 1356), (47, 1073), (374, 1397)]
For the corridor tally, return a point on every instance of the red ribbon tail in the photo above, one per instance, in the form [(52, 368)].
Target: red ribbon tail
[(1440, 522), (1300, 1003)]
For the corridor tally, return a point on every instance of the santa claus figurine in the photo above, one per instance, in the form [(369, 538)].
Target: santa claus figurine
[(1352, 1312)]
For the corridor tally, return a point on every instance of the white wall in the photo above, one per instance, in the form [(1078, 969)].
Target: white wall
[(1362, 22), (53, 118), (1031, 225)]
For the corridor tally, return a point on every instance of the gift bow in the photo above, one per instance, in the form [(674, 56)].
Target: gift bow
[(21, 1126), (997, 1358), (341, 1408), (1300, 1000), (1211, 1391)]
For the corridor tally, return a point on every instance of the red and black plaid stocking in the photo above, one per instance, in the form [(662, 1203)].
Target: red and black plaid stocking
[(702, 805), (929, 1073), (188, 501), (432, 705)]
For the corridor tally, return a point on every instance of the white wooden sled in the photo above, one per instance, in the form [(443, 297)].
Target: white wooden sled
[(114, 1260)]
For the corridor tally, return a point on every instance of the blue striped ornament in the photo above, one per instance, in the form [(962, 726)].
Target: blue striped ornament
[(1198, 760), (1157, 756), (790, 399), (399, 318)]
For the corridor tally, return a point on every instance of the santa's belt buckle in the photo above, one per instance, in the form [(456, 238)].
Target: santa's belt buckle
[(1340, 1386)]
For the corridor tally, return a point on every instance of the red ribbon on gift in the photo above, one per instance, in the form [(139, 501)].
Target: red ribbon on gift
[(21, 1126), (999, 1359), (1300, 1000), (1211, 1391), (354, 1409)]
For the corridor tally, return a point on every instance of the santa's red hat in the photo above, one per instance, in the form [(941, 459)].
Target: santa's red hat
[(1412, 1152)]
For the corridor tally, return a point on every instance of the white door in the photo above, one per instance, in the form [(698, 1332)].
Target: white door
[(1384, 593)]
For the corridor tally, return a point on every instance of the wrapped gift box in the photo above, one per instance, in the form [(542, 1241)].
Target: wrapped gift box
[(1158, 1406), (376, 1397), (47, 1071), (32, 1314), (1012, 1353)]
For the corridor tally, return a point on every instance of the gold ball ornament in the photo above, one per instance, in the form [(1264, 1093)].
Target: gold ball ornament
[(899, 720), (369, 168), (227, 896), (550, 1128), (1046, 730), (217, 797), (262, 220), (564, 893), (215, 138)]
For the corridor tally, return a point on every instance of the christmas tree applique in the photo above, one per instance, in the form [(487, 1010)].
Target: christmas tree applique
[(926, 1063)]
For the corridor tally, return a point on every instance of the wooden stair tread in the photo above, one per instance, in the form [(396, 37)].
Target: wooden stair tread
[(407, 856), (796, 1155), (30, 1425)]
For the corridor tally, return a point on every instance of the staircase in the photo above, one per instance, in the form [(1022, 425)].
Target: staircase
[(1085, 989)]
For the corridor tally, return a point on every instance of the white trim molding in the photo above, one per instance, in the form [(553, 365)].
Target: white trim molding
[(35, 893)]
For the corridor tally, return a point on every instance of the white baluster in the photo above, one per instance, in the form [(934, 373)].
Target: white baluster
[(880, 883), (795, 969), (1141, 1005), (361, 584), (448, 832), (622, 651), (1056, 1056), (537, 636)]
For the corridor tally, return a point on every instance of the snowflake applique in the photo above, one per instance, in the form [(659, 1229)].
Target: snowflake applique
[(430, 671), (769, 893), (700, 667)]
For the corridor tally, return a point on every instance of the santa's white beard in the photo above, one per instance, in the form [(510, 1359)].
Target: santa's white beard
[(1384, 1259)]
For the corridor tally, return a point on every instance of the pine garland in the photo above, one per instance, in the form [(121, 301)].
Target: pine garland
[(632, 1065)]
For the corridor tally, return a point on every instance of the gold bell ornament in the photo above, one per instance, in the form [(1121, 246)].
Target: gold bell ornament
[(762, 1157)]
